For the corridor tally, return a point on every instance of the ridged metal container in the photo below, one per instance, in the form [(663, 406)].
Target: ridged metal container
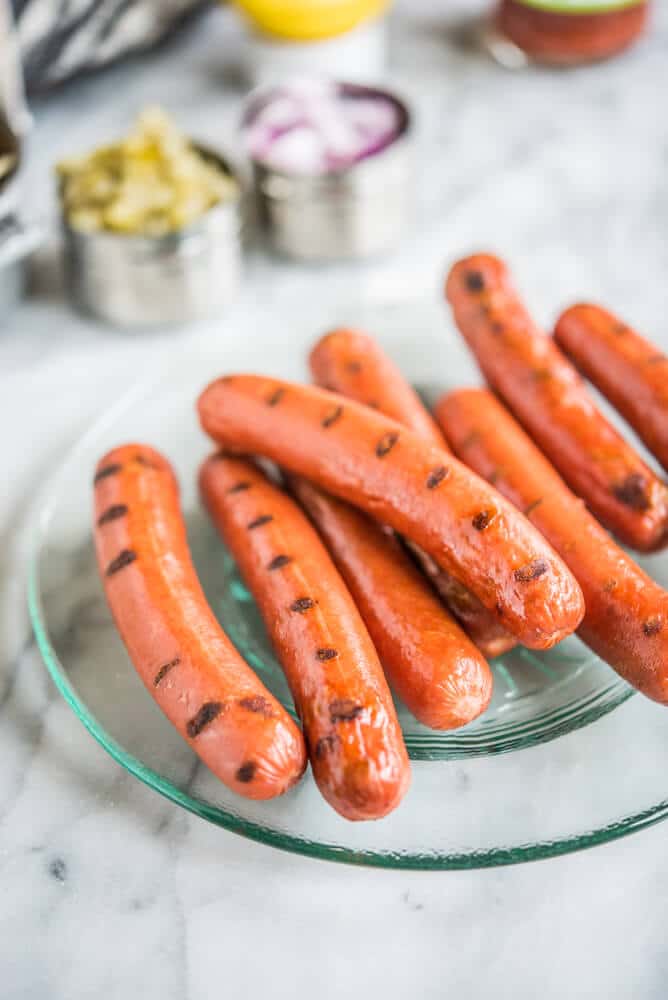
[(18, 236), (146, 281), (356, 212), (17, 242)]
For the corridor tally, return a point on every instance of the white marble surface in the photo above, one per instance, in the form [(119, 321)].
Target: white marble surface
[(109, 891)]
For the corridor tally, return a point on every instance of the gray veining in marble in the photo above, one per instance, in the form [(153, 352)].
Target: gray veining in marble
[(106, 889)]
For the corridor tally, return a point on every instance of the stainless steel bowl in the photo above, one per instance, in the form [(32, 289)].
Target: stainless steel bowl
[(359, 211), (143, 281), (18, 237), (17, 242)]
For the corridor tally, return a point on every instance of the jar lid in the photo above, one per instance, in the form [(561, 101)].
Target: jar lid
[(304, 20)]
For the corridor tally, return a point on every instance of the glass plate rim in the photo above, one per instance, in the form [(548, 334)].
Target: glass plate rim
[(425, 861)]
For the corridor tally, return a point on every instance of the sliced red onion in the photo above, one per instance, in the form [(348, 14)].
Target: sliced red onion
[(313, 127), (298, 150)]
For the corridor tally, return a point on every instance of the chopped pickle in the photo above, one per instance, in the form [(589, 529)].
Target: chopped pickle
[(151, 183)]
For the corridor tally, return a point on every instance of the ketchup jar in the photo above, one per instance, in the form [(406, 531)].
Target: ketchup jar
[(569, 32)]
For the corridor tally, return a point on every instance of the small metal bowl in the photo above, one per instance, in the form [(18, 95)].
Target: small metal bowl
[(18, 237), (359, 211), (149, 281), (17, 241)]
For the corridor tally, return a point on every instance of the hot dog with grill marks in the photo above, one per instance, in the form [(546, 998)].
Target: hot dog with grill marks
[(626, 621), (436, 670), (543, 390), (630, 371), (199, 680), (353, 364), (421, 491), (355, 744)]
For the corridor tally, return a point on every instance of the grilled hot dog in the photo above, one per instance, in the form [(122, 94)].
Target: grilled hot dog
[(545, 393), (353, 364), (626, 620), (630, 371), (183, 657), (421, 491), (430, 662), (355, 744)]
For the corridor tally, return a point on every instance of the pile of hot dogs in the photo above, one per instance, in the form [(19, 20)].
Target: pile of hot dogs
[(368, 491)]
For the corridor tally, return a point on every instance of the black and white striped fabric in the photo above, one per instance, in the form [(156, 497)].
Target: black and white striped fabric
[(60, 38)]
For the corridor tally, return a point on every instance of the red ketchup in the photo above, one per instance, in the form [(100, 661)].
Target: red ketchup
[(568, 32)]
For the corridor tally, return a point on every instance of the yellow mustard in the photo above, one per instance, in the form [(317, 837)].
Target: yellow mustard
[(309, 20)]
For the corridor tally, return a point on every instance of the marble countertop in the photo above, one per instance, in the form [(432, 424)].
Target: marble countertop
[(110, 891)]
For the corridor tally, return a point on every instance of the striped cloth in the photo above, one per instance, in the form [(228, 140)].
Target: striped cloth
[(60, 38)]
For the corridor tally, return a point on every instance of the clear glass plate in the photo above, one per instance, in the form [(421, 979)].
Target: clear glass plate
[(472, 802)]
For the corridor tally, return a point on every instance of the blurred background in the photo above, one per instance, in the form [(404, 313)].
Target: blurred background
[(499, 99)]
